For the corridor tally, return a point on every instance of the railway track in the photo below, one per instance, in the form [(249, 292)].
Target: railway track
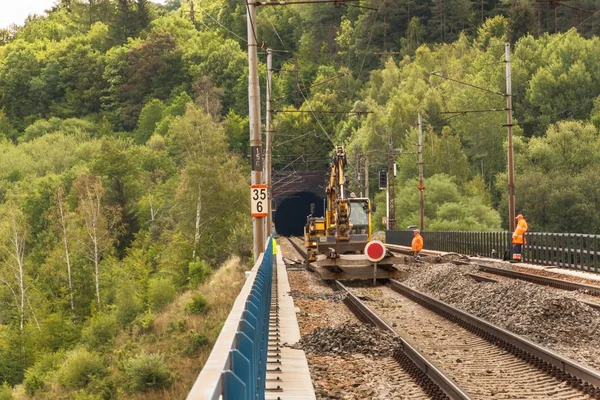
[(490, 361), (592, 290), (415, 367), (483, 278), (486, 361)]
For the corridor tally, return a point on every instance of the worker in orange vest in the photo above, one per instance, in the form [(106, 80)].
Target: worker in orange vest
[(417, 244), (518, 238)]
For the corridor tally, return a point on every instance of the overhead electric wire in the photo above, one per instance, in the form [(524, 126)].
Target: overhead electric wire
[(315, 116), (220, 24)]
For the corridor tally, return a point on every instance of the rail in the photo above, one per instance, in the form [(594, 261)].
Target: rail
[(236, 367), (575, 374), (437, 382), (566, 250)]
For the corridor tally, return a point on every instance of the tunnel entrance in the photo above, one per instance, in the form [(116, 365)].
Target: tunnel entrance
[(291, 214)]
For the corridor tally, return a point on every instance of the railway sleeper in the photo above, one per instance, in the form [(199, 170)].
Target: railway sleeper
[(552, 370)]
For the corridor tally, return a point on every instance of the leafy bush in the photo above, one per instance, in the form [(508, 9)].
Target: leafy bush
[(160, 293), (100, 331), (198, 272), (35, 377), (145, 322), (128, 305), (80, 368), (196, 342), (198, 305), (6, 392), (146, 372)]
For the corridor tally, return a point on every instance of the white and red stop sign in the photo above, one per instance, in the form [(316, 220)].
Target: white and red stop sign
[(375, 251)]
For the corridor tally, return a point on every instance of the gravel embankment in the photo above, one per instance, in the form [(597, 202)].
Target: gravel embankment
[(553, 319)]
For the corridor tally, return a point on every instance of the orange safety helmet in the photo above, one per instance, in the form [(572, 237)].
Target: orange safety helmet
[(520, 216)]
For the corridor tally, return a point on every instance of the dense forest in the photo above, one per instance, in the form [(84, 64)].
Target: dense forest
[(124, 224)]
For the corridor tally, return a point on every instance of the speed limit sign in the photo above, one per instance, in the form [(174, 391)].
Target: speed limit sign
[(259, 201)]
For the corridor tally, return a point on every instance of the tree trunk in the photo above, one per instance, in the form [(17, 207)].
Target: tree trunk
[(197, 231), (63, 223), (97, 271), (19, 243)]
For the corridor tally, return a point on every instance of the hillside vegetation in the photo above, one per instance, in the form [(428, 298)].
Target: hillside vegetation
[(124, 157)]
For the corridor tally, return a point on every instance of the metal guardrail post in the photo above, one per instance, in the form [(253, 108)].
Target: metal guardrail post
[(567, 250)]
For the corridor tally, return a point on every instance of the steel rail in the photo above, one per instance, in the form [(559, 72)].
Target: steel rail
[(299, 249), (432, 378), (436, 383), (542, 280), (480, 278), (577, 375)]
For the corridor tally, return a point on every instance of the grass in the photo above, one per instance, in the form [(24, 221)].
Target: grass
[(173, 329)]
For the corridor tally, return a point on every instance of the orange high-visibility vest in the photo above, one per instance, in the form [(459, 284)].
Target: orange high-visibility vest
[(518, 236), (417, 243)]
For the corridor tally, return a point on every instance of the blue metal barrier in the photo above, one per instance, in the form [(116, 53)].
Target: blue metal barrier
[(237, 366)]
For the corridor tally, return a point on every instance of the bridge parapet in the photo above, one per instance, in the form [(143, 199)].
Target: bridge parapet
[(236, 367)]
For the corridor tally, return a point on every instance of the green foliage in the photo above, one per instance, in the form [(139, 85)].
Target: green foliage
[(196, 342), (447, 207), (80, 368), (147, 372), (6, 392), (145, 322), (557, 179), (36, 376), (127, 303), (198, 305), (150, 115), (199, 270), (161, 292), (100, 331)]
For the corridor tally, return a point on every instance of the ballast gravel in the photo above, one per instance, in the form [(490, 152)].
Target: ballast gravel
[(553, 319), (349, 339)]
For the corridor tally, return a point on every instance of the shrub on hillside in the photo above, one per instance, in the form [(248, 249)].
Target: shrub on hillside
[(35, 377), (198, 305), (128, 304), (146, 372), (160, 293), (145, 322), (100, 331), (198, 272), (6, 392), (80, 368), (196, 342)]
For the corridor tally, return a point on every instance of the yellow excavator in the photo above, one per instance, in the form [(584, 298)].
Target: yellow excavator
[(314, 228), (348, 229), (347, 218)]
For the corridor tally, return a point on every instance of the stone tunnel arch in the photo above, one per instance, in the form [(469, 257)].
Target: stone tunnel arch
[(290, 215)]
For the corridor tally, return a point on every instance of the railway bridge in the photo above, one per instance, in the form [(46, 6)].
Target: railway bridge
[(463, 324)]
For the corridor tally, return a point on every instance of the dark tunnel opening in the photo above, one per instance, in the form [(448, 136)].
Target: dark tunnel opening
[(290, 216)]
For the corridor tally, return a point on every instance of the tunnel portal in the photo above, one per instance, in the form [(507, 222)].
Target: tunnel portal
[(290, 216)]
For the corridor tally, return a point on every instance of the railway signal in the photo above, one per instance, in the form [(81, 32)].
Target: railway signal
[(382, 179), (375, 251)]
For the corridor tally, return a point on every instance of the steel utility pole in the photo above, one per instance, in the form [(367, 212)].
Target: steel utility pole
[(421, 186), (509, 125), (254, 117), (391, 191), (268, 143)]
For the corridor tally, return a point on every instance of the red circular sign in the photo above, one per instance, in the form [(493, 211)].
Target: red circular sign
[(375, 251)]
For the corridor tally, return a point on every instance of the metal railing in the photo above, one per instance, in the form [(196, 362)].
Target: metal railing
[(566, 250), (236, 368)]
